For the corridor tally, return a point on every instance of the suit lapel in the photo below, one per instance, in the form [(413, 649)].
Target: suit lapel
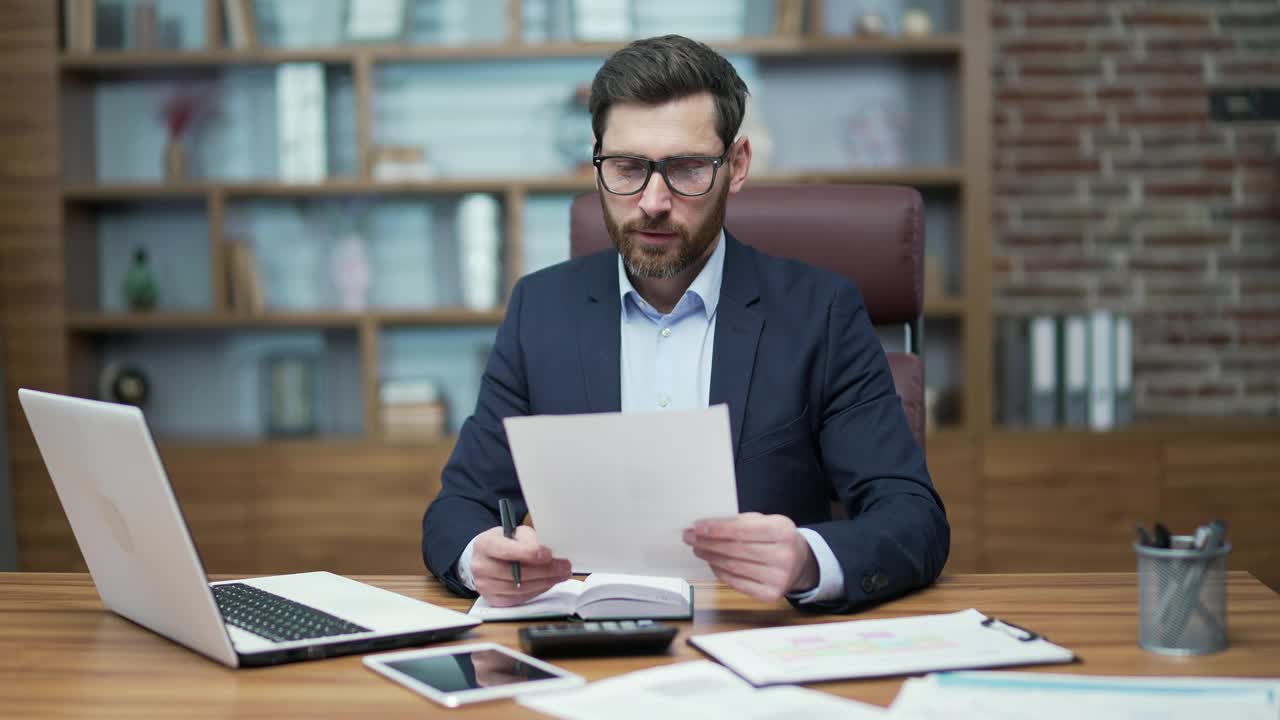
[(738, 327), (600, 335)]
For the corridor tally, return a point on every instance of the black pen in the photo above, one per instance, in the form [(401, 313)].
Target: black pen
[(509, 530)]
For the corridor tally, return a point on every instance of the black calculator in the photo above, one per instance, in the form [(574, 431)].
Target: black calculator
[(606, 637)]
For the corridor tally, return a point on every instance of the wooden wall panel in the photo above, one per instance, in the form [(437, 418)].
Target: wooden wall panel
[(215, 490), (1055, 502), (953, 463), (1237, 480), (31, 287), (345, 509)]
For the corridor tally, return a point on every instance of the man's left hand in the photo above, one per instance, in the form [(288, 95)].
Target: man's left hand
[(763, 556)]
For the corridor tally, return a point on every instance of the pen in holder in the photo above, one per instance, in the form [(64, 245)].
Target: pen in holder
[(1182, 594)]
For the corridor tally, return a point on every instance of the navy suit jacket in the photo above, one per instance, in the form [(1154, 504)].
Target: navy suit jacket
[(812, 407)]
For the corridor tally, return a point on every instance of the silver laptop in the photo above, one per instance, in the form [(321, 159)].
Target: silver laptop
[(135, 541)]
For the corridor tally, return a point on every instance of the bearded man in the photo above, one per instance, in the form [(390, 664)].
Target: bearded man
[(683, 316)]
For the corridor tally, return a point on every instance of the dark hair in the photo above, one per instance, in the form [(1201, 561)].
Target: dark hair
[(665, 68)]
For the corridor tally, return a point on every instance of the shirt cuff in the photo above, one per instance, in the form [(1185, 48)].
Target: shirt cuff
[(464, 565), (830, 576)]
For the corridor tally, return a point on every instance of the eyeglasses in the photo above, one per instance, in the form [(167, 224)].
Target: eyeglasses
[(688, 175)]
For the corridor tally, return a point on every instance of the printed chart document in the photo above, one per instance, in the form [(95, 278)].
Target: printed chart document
[(1014, 696), (601, 597), (694, 691), (871, 648), (612, 492)]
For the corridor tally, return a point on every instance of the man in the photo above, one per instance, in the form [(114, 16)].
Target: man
[(683, 316)]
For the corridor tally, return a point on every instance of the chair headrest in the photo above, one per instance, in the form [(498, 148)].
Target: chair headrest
[(871, 234)]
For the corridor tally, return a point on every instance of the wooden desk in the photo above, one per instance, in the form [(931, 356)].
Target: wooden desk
[(62, 654)]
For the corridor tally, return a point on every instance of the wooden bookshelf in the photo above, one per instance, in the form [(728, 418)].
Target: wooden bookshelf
[(940, 45), (924, 177), (251, 484), (111, 322)]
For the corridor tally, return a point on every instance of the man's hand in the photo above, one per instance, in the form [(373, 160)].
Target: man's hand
[(763, 556), (491, 566)]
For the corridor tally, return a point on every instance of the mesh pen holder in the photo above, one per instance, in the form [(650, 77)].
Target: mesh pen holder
[(1182, 598)]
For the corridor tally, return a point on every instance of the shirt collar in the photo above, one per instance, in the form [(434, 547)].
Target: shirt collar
[(706, 286)]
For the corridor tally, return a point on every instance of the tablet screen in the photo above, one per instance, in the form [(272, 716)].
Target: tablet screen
[(469, 670)]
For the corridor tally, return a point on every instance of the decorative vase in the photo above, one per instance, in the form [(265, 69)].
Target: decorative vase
[(140, 288), (175, 160)]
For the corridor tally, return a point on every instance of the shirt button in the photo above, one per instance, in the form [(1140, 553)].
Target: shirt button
[(666, 332), (663, 402)]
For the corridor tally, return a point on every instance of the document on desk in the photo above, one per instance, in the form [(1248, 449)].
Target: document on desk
[(612, 492), (873, 648), (694, 691), (1013, 696)]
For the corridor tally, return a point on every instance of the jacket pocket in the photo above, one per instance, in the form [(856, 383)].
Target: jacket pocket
[(775, 438)]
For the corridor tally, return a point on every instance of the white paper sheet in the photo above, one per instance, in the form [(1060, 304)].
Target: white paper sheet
[(1013, 696), (612, 492), (694, 691)]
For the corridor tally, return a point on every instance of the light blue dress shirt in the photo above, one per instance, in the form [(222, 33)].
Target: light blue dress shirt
[(657, 354)]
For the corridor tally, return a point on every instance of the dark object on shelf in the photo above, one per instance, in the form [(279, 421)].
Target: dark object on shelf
[(573, 131), (289, 392), (110, 22), (140, 290), (127, 385), (621, 637), (1244, 104)]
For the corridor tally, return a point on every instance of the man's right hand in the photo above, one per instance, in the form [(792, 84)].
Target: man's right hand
[(491, 566)]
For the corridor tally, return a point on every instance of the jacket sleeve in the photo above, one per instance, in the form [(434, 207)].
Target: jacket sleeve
[(480, 469), (896, 537)]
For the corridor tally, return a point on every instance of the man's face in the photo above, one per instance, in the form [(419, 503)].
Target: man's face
[(659, 233)]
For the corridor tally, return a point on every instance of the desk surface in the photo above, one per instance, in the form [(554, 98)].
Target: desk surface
[(62, 654)]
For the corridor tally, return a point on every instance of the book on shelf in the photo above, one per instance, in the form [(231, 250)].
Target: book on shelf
[(601, 20), (602, 596), (1013, 370), (1043, 400), (247, 296), (146, 31), (78, 23), (109, 26), (412, 411), (788, 19), (1124, 411), (242, 26), (300, 116), (1075, 371), (369, 20), (1102, 399)]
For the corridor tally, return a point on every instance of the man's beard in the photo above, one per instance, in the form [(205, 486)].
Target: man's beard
[(657, 262)]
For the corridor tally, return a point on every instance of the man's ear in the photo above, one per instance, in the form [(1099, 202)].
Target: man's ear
[(739, 163)]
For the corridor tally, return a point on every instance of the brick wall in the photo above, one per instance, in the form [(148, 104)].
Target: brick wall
[(1114, 189)]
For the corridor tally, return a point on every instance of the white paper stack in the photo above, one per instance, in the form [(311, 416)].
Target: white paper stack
[(694, 691), (1010, 696)]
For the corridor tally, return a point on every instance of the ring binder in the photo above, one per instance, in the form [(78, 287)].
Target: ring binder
[(1026, 636)]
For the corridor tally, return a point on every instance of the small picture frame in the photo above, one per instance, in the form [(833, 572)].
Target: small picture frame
[(374, 21), (290, 389)]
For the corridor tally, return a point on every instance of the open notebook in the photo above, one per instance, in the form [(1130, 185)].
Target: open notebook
[(602, 596)]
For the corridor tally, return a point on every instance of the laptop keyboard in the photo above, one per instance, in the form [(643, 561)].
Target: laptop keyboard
[(274, 617)]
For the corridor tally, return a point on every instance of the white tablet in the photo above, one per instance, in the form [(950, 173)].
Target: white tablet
[(458, 674)]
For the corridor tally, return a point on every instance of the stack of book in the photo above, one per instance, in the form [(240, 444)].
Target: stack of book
[(412, 411), (1075, 371)]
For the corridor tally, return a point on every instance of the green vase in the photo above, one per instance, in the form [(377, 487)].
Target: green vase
[(140, 283)]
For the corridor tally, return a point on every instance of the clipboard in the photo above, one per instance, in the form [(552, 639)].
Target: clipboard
[(878, 648)]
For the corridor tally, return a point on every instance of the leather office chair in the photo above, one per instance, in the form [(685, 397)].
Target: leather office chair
[(871, 234)]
